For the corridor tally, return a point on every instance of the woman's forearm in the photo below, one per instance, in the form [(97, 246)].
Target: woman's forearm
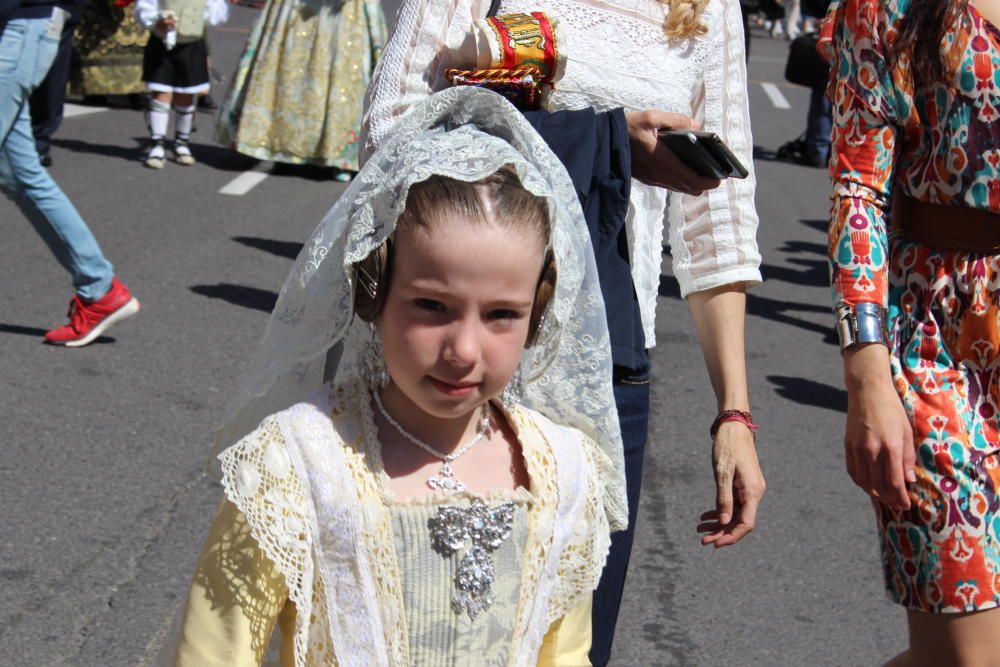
[(719, 316)]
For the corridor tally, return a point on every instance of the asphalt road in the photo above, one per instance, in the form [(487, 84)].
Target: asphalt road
[(103, 499)]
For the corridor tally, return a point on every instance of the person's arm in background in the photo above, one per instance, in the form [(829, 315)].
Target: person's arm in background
[(413, 62), (878, 439), (715, 258)]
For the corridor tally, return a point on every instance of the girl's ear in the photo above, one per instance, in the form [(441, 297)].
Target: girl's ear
[(544, 292), (371, 280)]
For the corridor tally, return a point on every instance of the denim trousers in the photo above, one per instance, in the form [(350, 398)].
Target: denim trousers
[(27, 49), (819, 121), (632, 401)]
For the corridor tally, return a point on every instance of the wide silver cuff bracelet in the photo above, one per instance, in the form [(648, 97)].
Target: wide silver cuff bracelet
[(863, 323)]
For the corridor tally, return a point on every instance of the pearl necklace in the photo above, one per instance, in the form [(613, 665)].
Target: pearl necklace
[(445, 480)]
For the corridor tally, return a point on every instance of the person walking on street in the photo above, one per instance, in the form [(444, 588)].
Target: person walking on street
[(29, 38), (915, 139), (47, 100)]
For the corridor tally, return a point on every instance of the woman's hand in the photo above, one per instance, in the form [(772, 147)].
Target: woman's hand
[(719, 315), (655, 164), (878, 439), (739, 487)]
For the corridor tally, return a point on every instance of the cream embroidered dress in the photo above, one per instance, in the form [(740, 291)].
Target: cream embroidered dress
[(298, 90), (616, 56), (312, 540)]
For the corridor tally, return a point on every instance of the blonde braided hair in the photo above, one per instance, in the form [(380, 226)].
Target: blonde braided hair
[(683, 18)]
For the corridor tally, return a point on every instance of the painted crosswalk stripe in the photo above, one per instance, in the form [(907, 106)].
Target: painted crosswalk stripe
[(71, 110), (247, 181), (774, 94)]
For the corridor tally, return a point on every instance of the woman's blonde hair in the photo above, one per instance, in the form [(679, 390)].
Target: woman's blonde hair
[(684, 18)]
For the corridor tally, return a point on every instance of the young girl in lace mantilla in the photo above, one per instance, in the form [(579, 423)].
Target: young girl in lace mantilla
[(446, 498)]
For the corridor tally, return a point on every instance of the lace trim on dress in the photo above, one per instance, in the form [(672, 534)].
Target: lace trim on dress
[(257, 477), (348, 403), (299, 471)]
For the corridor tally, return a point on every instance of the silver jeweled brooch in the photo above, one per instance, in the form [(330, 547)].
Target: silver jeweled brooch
[(483, 529)]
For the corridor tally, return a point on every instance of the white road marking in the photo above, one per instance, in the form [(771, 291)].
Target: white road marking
[(71, 110), (774, 94), (247, 181)]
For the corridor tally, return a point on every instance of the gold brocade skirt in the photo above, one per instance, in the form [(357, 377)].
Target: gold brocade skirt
[(107, 51), (298, 92)]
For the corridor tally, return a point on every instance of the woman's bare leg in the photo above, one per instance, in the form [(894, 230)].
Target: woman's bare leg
[(956, 640)]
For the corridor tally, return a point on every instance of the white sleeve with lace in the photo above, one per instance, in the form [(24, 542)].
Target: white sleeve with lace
[(429, 36), (713, 236)]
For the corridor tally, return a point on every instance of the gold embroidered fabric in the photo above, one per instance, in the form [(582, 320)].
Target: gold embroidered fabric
[(107, 51), (298, 91)]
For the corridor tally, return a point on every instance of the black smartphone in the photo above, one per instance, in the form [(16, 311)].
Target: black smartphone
[(704, 152)]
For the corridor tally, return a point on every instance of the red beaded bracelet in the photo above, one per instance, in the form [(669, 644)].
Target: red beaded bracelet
[(741, 416)]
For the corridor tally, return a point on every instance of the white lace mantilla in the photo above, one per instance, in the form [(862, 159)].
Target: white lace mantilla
[(616, 56), (466, 134), (308, 481)]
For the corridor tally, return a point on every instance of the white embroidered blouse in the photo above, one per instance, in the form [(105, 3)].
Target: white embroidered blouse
[(616, 56)]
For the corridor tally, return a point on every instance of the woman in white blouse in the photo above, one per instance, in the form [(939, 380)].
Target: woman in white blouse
[(685, 57)]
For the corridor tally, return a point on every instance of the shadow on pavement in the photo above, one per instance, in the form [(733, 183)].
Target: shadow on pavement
[(309, 172), (287, 249), (818, 225), (216, 157), (809, 392), (39, 333), (23, 331), (107, 150), (778, 311), (797, 247), (239, 295), (222, 159), (815, 273)]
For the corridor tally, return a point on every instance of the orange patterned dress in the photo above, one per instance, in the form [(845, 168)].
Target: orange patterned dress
[(939, 145)]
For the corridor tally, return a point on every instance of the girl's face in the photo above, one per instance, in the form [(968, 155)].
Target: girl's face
[(456, 317)]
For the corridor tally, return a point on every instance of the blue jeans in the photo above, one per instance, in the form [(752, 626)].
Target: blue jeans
[(632, 401), (27, 49), (819, 122)]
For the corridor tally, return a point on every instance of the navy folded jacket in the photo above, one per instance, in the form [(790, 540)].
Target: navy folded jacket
[(594, 149)]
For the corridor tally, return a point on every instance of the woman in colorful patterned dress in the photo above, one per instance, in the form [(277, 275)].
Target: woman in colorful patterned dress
[(915, 255), (298, 91)]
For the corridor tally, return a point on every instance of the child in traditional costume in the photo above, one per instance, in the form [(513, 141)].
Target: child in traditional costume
[(446, 497), (175, 68)]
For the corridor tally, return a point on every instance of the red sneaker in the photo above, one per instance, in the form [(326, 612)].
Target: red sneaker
[(87, 321)]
